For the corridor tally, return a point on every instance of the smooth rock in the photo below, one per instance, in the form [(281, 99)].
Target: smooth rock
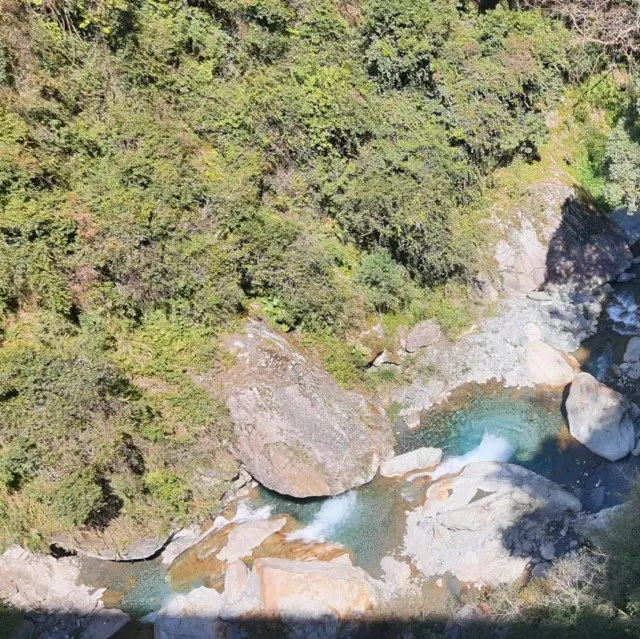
[(235, 580), (548, 552), (540, 570), (396, 573), (540, 296), (247, 536), (89, 544), (546, 365), (312, 589), (626, 277), (600, 418), (297, 432), (424, 334), (190, 616), (470, 525), (418, 459)]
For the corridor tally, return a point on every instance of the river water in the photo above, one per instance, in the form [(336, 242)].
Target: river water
[(477, 422)]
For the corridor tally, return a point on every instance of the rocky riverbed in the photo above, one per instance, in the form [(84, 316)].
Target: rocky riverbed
[(502, 467)]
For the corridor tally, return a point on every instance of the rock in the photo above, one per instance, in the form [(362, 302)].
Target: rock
[(484, 288), (540, 296), (600, 418), (244, 538), (628, 222), (180, 541), (471, 525), (591, 526), (548, 552), (418, 459), (626, 277), (540, 570), (412, 421), (235, 580), (95, 545), (631, 365), (313, 589), (297, 432), (424, 334), (34, 582), (546, 365), (396, 573), (190, 616)]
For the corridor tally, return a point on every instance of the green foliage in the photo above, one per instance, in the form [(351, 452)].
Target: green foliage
[(75, 499), (386, 282), (168, 489), (19, 461)]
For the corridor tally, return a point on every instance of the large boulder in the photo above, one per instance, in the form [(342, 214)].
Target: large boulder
[(559, 240), (486, 524), (50, 587), (631, 365), (600, 418), (547, 365), (418, 459), (424, 334), (296, 431), (193, 615)]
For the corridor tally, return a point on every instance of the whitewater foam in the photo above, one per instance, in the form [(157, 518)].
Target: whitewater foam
[(333, 512), (244, 512), (623, 310), (491, 448)]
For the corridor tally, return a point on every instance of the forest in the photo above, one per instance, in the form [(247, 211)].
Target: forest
[(169, 167)]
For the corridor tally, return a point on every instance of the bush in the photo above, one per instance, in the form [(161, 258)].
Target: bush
[(386, 281), (76, 499)]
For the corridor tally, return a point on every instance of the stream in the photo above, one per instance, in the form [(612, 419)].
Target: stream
[(477, 423)]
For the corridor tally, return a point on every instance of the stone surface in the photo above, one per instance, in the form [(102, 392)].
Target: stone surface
[(90, 544), (297, 432), (548, 552), (235, 580), (50, 589), (626, 277), (547, 365), (396, 573), (424, 334), (311, 589), (540, 570), (631, 365), (600, 418), (418, 459), (478, 524), (190, 616), (244, 538)]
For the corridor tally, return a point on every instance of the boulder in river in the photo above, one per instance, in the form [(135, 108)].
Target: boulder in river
[(418, 459), (547, 365), (297, 432), (485, 524), (600, 418)]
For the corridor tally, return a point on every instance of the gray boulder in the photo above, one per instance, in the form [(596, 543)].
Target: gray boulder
[(600, 418), (414, 460), (296, 431), (484, 525), (631, 365), (424, 334), (590, 527)]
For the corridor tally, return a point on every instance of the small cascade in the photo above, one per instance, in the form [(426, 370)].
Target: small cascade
[(333, 513)]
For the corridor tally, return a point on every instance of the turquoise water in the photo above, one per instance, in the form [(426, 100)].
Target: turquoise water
[(527, 420)]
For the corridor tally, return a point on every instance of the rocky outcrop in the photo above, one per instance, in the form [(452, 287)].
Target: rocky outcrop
[(486, 524), (48, 589), (190, 616), (424, 334), (570, 244), (297, 432), (414, 460), (90, 544), (600, 418), (547, 365)]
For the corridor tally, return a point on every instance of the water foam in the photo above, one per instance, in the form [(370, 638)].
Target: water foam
[(333, 512), (244, 512), (491, 448)]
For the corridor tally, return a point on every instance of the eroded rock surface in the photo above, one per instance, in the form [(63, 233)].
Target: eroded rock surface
[(297, 432), (600, 418), (548, 365), (418, 459), (485, 524)]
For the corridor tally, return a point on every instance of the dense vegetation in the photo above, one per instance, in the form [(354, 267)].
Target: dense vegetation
[(163, 165)]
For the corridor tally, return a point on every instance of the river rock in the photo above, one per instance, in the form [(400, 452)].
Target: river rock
[(247, 536), (50, 587), (297, 432), (190, 616), (424, 334), (631, 365), (600, 418), (418, 459), (477, 524), (91, 544), (546, 365)]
